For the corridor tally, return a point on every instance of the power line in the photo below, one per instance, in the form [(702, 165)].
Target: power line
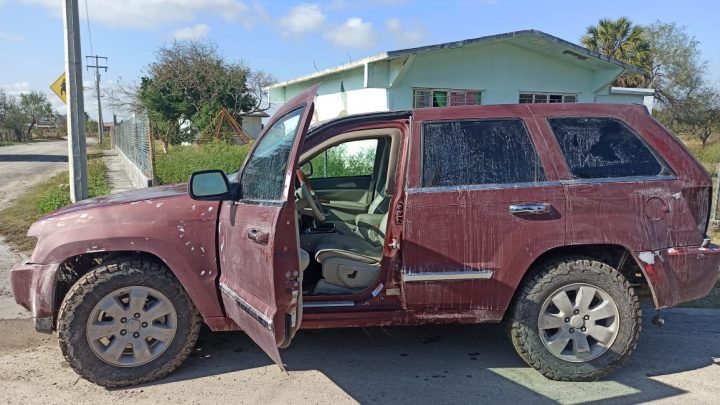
[(87, 19)]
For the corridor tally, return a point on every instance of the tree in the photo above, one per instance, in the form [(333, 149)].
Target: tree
[(12, 117), (191, 81), (35, 106), (699, 114), (677, 69), (622, 40)]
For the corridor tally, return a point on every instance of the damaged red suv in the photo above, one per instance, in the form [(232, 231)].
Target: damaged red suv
[(556, 219)]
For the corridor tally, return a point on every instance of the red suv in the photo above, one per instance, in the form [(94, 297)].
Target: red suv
[(554, 218)]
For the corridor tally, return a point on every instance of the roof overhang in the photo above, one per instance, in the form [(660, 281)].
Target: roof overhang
[(532, 40)]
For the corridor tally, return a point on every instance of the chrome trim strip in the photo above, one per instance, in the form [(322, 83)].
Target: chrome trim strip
[(570, 182), (473, 187), (254, 313), (448, 276), (328, 304), (630, 179)]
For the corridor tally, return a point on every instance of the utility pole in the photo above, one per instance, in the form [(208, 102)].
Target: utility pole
[(97, 68), (77, 154)]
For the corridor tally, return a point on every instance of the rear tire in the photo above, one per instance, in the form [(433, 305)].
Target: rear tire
[(568, 337), (140, 340)]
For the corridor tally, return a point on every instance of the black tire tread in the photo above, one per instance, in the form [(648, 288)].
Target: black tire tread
[(534, 286), (104, 273)]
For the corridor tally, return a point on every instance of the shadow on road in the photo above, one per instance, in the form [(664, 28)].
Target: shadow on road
[(461, 362), (33, 158)]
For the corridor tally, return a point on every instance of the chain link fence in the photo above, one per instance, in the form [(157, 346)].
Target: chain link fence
[(134, 140)]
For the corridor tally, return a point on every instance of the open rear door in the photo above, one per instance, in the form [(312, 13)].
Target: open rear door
[(260, 275)]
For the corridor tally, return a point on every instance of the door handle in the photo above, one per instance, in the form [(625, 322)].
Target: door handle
[(529, 209), (258, 236)]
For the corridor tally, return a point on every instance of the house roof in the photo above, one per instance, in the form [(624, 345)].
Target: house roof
[(538, 41)]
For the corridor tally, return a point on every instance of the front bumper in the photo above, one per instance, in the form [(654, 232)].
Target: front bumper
[(680, 274), (33, 286)]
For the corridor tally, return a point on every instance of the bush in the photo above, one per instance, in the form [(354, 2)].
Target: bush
[(58, 194), (180, 161)]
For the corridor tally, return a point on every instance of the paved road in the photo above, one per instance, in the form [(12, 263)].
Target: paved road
[(24, 165), (676, 364), (21, 167)]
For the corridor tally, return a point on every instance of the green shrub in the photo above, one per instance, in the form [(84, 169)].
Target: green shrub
[(57, 195), (180, 161)]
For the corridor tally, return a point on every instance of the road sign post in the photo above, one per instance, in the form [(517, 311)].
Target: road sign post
[(77, 155)]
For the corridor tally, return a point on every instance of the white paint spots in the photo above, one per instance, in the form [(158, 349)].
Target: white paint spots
[(210, 209), (192, 248), (202, 249), (181, 228), (193, 207), (158, 205), (132, 242), (84, 216), (672, 251), (187, 243), (202, 273), (647, 257), (677, 196)]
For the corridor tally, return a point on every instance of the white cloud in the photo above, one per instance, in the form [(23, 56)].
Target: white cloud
[(4, 36), (301, 19), (191, 33), (402, 36), (354, 33), (150, 14), (16, 88)]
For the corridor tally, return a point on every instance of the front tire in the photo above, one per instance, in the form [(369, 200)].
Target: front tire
[(127, 322), (576, 319)]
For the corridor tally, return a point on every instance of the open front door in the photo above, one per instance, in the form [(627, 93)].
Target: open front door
[(260, 274)]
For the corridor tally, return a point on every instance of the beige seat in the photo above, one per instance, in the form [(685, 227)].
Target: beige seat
[(350, 262)]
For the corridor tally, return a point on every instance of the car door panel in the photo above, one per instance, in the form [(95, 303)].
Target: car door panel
[(346, 197), (468, 246), (258, 245)]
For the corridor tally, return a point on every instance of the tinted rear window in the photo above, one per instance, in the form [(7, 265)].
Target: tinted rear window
[(601, 147), (478, 152)]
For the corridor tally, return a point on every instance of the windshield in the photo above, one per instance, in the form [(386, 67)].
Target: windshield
[(264, 174)]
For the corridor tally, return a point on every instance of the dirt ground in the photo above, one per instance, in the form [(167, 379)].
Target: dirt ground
[(678, 363)]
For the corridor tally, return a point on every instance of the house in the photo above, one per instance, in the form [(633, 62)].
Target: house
[(518, 67), (252, 122)]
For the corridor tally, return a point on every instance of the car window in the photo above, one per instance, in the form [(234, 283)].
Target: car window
[(603, 147), (348, 159), (478, 152), (264, 173)]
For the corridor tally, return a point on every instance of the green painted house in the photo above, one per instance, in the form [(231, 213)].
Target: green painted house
[(518, 67)]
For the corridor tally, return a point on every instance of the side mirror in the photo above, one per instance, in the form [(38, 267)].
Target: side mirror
[(307, 169), (209, 185)]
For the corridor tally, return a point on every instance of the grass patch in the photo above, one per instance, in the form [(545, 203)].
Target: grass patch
[(46, 197), (180, 161), (6, 143)]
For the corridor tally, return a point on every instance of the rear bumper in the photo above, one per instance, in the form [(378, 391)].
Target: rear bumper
[(680, 274), (33, 286)]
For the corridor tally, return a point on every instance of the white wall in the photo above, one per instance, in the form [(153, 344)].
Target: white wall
[(351, 102)]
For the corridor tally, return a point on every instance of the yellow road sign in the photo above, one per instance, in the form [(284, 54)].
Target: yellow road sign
[(59, 88)]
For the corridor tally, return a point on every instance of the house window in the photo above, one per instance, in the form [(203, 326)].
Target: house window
[(543, 98), (424, 98)]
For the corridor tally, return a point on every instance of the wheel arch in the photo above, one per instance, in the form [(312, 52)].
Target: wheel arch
[(74, 267), (617, 256)]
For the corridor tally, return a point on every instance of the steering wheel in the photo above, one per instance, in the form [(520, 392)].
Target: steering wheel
[(308, 198)]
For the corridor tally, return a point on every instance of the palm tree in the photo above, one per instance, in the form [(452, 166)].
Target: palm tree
[(624, 41)]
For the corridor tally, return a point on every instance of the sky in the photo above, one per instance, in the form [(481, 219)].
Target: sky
[(290, 38)]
